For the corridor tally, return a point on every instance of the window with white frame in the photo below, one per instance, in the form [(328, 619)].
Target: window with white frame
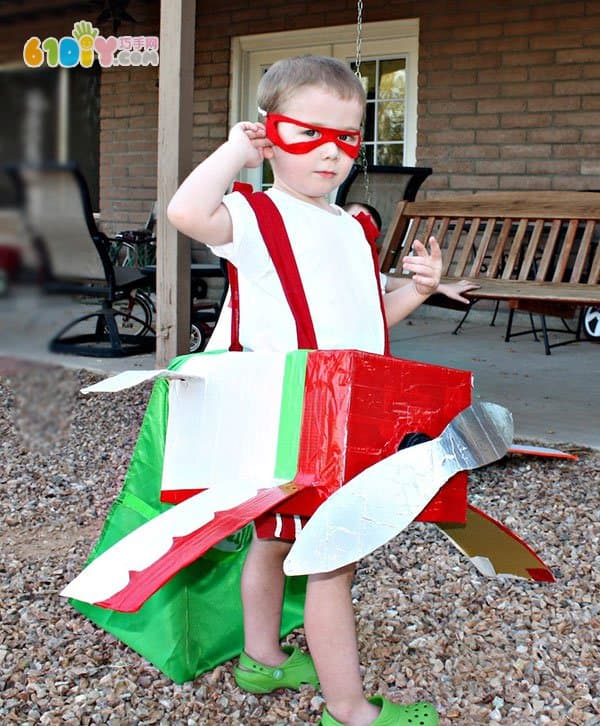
[(384, 80)]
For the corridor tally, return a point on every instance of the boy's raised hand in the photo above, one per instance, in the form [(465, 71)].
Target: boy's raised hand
[(425, 266), (251, 139), (197, 208)]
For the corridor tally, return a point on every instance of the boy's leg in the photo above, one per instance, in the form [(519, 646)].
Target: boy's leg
[(331, 635), (263, 583)]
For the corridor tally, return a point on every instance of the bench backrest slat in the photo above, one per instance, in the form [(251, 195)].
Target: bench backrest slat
[(459, 225), (495, 265), (549, 248), (515, 250), (565, 251), (527, 269), (595, 271), (483, 250), (412, 234), (442, 230), (428, 230), (468, 250), (583, 254)]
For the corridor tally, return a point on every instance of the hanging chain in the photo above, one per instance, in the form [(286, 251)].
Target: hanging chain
[(362, 159), (359, 21)]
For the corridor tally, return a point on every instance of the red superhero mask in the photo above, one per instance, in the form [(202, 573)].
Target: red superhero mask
[(347, 141)]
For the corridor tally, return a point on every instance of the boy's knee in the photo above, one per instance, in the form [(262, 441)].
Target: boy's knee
[(274, 548), (343, 575)]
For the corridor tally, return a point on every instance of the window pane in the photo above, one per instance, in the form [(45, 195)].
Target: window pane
[(369, 130), (29, 127), (368, 151), (368, 70), (386, 107), (390, 154), (267, 175), (390, 121), (27, 121), (84, 125), (392, 80)]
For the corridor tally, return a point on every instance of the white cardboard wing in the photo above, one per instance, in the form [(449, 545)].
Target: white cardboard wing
[(110, 572)]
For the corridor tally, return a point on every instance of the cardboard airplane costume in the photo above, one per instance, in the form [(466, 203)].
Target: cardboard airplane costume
[(308, 422), (232, 435)]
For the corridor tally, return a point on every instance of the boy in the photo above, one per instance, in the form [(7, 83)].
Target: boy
[(313, 108)]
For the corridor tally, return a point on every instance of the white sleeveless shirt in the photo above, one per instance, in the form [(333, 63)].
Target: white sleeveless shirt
[(336, 267)]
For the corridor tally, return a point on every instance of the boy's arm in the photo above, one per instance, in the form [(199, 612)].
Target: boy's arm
[(426, 269), (197, 208)]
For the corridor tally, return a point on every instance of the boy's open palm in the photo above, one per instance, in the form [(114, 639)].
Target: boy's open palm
[(425, 266), (251, 140)]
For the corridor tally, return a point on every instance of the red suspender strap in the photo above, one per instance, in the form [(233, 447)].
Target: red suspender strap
[(371, 234), (274, 233), (232, 276), (234, 301), (243, 188), (386, 334)]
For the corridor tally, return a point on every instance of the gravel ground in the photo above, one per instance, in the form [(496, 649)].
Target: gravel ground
[(483, 650)]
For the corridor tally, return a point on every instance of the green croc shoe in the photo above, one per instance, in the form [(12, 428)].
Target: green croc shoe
[(292, 673), (394, 714)]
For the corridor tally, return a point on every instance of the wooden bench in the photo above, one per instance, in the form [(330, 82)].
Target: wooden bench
[(538, 251)]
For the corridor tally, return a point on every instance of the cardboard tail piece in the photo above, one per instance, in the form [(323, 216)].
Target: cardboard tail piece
[(494, 550)]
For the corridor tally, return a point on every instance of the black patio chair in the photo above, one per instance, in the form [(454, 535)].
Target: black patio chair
[(75, 260)]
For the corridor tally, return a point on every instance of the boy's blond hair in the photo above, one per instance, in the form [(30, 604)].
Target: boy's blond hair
[(289, 74)]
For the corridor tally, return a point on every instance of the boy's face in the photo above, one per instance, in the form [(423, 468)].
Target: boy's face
[(313, 175)]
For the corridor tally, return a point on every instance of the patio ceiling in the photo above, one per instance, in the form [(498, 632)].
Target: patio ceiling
[(17, 11)]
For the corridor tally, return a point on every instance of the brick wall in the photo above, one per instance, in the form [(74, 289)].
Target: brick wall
[(129, 131), (128, 146), (509, 96), (509, 91)]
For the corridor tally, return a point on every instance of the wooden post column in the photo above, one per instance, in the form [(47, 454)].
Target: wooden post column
[(175, 104)]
